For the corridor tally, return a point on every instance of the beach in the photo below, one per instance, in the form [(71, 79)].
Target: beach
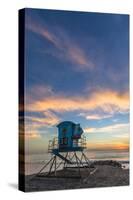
[(102, 174)]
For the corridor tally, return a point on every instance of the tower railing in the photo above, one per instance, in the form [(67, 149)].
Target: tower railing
[(54, 144)]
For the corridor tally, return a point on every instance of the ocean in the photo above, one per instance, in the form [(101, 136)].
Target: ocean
[(34, 162)]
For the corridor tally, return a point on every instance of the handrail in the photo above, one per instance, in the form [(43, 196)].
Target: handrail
[(54, 144)]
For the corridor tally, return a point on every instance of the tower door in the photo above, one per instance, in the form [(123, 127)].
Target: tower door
[(64, 141)]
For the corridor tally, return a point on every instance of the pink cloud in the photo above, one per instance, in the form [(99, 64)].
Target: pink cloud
[(66, 47)]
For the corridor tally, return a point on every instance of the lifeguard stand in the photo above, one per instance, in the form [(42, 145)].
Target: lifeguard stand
[(65, 150), (68, 136)]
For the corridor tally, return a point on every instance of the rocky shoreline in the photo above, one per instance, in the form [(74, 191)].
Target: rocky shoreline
[(107, 162)]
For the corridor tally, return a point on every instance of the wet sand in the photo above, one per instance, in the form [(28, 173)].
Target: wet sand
[(99, 176)]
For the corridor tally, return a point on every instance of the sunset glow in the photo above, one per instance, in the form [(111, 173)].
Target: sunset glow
[(76, 70)]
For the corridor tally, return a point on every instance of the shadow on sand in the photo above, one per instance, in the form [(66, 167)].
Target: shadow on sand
[(13, 185)]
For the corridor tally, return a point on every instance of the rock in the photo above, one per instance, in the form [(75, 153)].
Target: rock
[(107, 162)]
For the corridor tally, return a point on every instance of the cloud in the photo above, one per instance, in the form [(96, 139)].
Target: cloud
[(65, 46), (95, 116), (120, 136), (113, 137), (31, 134), (115, 128), (37, 92), (43, 31), (33, 124), (28, 131), (109, 145), (108, 101)]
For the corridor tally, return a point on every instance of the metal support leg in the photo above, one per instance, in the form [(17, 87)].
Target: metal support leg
[(42, 168), (86, 159), (51, 166), (81, 156), (45, 166), (55, 167), (72, 157), (79, 160), (77, 164), (59, 165), (65, 161)]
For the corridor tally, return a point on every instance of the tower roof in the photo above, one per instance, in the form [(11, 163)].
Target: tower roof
[(65, 122)]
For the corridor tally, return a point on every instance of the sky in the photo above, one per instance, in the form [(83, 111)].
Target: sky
[(77, 69)]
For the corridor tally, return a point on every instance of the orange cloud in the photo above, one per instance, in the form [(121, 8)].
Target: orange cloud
[(32, 135), (49, 119), (95, 116), (108, 146), (32, 124), (109, 101), (28, 131), (121, 146)]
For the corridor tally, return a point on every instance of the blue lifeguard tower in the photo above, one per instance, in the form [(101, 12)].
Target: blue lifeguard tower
[(69, 134), (65, 150)]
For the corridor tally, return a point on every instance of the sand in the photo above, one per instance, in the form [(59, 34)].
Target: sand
[(99, 176)]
